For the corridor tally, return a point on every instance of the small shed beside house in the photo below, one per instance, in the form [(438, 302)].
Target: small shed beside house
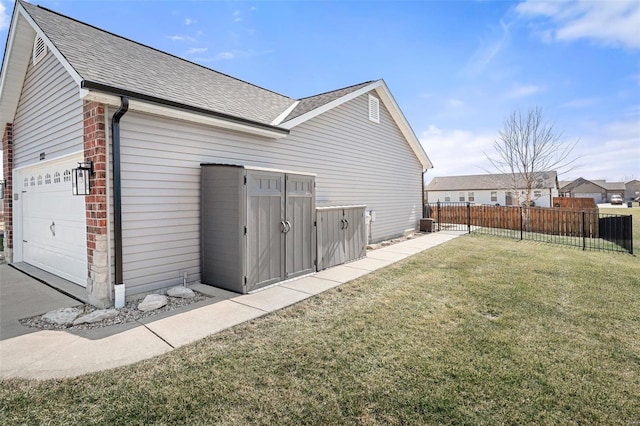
[(72, 94)]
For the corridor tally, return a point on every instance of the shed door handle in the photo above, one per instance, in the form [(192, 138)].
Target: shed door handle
[(283, 227), (52, 228), (346, 222), (288, 226), (341, 223)]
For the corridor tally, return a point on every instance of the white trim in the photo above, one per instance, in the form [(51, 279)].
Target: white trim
[(326, 107), (13, 77), (387, 99), (285, 114), (72, 72), (165, 111), (60, 158)]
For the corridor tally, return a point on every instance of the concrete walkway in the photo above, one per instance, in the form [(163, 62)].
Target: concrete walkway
[(44, 354)]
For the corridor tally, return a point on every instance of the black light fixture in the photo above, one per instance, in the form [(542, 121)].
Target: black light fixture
[(80, 178), (3, 185)]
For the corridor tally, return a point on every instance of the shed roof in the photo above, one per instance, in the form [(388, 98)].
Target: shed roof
[(488, 182)]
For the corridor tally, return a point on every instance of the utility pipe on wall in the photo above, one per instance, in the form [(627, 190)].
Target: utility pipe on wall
[(117, 200)]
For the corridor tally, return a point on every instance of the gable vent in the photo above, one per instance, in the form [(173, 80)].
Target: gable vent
[(374, 109), (39, 49)]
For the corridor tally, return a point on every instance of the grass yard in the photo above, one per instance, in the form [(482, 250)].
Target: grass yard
[(482, 330)]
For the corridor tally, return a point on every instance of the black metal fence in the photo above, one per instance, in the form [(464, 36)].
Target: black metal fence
[(587, 229)]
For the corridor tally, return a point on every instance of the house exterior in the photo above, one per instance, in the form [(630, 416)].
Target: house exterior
[(600, 190), (145, 121), (492, 189), (632, 190)]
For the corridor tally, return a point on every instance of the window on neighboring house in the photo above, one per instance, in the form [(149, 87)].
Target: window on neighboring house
[(374, 109), (537, 194), (494, 196), (461, 196), (471, 197), (447, 196)]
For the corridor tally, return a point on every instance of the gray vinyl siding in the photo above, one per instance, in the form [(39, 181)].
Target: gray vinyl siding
[(356, 162), (49, 115)]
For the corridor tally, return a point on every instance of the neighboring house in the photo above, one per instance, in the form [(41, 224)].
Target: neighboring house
[(71, 93), (492, 189), (600, 190), (632, 190)]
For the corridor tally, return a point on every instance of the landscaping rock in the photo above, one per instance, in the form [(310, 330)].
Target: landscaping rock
[(96, 316), (181, 291), (64, 316), (152, 302)]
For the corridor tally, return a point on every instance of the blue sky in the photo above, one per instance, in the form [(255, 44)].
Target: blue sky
[(456, 68)]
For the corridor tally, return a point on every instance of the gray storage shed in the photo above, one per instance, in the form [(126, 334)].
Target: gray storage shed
[(342, 235), (258, 226)]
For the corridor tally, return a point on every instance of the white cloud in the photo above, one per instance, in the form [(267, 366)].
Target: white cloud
[(580, 103), (4, 17), (455, 103), (610, 23), (522, 91), (457, 151), (489, 50), (234, 54), (181, 38), (237, 16), (611, 152), (194, 50), (189, 21)]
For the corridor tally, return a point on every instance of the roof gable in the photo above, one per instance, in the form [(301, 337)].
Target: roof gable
[(316, 105)]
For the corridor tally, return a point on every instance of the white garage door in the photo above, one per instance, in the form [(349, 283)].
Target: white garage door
[(54, 232)]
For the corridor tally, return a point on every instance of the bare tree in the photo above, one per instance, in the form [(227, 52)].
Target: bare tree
[(527, 147)]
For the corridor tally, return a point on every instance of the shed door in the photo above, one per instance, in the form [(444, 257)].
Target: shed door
[(54, 231), (265, 226), (355, 233), (300, 237)]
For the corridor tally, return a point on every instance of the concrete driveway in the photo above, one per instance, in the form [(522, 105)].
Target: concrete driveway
[(21, 297)]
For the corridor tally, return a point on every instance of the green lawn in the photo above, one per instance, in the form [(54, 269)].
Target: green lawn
[(482, 330)]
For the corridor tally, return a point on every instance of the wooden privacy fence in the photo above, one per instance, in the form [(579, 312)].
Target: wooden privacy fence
[(575, 203), (586, 228), (570, 223)]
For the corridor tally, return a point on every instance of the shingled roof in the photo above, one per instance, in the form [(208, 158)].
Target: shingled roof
[(107, 59), (312, 102), (108, 66), (487, 182)]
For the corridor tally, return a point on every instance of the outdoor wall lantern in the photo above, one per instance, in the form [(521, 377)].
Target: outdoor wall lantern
[(80, 181), (3, 185)]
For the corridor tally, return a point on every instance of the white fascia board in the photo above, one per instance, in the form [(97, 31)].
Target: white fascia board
[(284, 114), (11, 79), (165, 111), (326, 107), (403, 125), (67, 66)]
